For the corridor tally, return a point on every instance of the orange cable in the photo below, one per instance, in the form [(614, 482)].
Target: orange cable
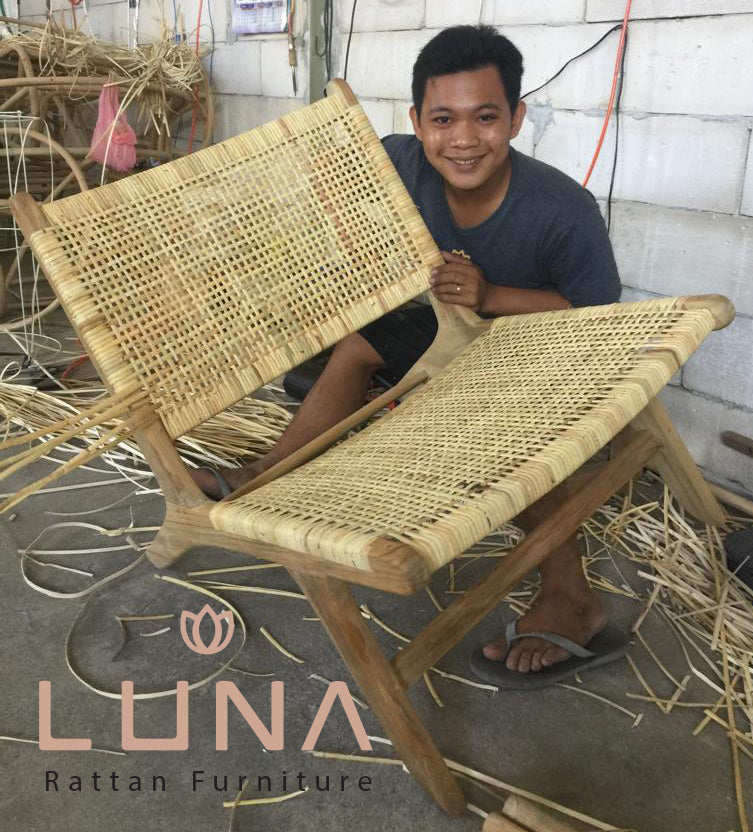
[(610, 106)]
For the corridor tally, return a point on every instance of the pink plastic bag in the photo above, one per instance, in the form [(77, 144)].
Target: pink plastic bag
[(118, 152)]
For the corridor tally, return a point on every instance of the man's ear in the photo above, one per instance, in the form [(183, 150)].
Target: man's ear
[(518, 118), (415, 121)]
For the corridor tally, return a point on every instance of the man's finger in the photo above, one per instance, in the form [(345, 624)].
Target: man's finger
[(450, 287), (448, 269), (460, 298)]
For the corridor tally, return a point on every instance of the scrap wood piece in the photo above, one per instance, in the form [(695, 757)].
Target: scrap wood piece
[(473, 774)]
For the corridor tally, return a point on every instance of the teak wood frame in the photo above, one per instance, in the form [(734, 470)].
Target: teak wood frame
[(649, 440)]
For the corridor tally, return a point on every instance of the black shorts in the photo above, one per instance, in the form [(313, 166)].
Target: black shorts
[(401, 338)]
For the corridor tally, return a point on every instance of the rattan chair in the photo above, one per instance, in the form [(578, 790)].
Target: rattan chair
[(195, 283)]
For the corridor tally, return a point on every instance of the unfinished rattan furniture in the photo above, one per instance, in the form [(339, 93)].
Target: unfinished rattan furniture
[(194, 283)]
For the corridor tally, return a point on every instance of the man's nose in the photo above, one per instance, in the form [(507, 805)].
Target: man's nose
[(464, 134)]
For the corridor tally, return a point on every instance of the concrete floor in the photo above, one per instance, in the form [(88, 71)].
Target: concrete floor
[(556, 742)]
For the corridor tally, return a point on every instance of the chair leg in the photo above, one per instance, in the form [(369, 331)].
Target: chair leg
[(164, 550), (677, 467), (340, 615)]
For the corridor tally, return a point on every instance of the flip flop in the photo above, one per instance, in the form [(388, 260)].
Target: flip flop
[(222, 483), (607, 646)]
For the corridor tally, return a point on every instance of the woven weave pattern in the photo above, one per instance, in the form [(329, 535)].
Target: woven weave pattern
[(520, 410), (205, 278)]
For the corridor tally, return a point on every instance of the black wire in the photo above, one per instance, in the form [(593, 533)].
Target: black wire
[(564, 66), (329, 22), (616, 133), (350, 35), (326, 53)]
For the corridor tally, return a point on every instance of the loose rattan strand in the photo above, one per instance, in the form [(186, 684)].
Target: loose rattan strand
[(522, 408)]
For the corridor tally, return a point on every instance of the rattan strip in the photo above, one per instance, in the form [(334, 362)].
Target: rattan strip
[(520, 410), (202, 279)]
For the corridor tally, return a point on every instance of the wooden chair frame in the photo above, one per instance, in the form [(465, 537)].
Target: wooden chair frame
[(649, 440)]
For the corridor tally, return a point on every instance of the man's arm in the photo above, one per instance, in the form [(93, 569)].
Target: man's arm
[(504, 300), (461, 282)]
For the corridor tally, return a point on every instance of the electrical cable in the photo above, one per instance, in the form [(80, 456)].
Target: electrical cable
[(329, 22), (616, 135), (350, 37), (326, 53), (564, 66), (615, 78)]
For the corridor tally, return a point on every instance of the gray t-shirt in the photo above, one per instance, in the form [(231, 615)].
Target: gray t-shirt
[(548, 233)]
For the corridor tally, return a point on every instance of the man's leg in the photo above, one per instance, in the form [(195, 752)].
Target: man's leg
[(340, 390), (566, 604)]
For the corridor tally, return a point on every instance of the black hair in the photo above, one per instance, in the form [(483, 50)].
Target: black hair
[(466, 48)]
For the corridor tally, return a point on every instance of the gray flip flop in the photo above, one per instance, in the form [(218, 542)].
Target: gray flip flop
[(222, 483), (607, 646)]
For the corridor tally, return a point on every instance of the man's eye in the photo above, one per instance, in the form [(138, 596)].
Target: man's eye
[(487, 118), (442, 120)]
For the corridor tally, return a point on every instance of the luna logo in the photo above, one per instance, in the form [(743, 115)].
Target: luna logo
[(272, 738), (194, 642)]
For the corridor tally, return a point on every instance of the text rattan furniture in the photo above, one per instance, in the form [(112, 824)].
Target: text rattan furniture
[(194, 283)]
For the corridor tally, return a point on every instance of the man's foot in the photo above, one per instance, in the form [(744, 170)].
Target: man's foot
[(235, 478), (578, 617)]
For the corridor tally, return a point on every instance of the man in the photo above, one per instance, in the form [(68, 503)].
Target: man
[(517, 236)]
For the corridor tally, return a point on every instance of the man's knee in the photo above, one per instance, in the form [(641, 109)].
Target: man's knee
[(356, 350)]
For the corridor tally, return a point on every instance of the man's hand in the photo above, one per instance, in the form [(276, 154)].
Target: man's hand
[(459, 281)]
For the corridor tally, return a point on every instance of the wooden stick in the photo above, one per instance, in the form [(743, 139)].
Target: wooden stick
[(533, 817), (324, 440), (499, 823), (732, 499)]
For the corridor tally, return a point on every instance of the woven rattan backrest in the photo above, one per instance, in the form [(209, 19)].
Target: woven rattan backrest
[(204, 278)]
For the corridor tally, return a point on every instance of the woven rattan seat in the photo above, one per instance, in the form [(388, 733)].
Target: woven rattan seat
[(520, 410), (193, 284)]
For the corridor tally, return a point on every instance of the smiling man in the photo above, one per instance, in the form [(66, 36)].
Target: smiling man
[(517, 236)]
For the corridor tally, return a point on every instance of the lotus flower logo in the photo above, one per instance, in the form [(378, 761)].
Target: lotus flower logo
[(194, 640)]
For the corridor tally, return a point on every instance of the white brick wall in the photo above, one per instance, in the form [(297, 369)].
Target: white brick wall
[(568, 143), (381, 115), (238, 113), (441, 13), (381, 15), (586, 83), (511, 12), (237, 68), (690, 66), (381, 63), (663, 159), (675, 252), (699, 421), (615, 9), (276, 76), (402, 122), (722, 365)]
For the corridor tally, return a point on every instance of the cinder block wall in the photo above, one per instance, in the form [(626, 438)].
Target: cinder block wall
[(682, 220)]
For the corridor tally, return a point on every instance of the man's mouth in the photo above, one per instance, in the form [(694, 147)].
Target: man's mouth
[(465, 163)]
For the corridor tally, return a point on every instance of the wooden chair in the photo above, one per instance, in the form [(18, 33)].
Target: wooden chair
[(194, 283)]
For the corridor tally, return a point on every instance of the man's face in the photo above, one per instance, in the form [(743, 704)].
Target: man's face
[(466, 126)]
